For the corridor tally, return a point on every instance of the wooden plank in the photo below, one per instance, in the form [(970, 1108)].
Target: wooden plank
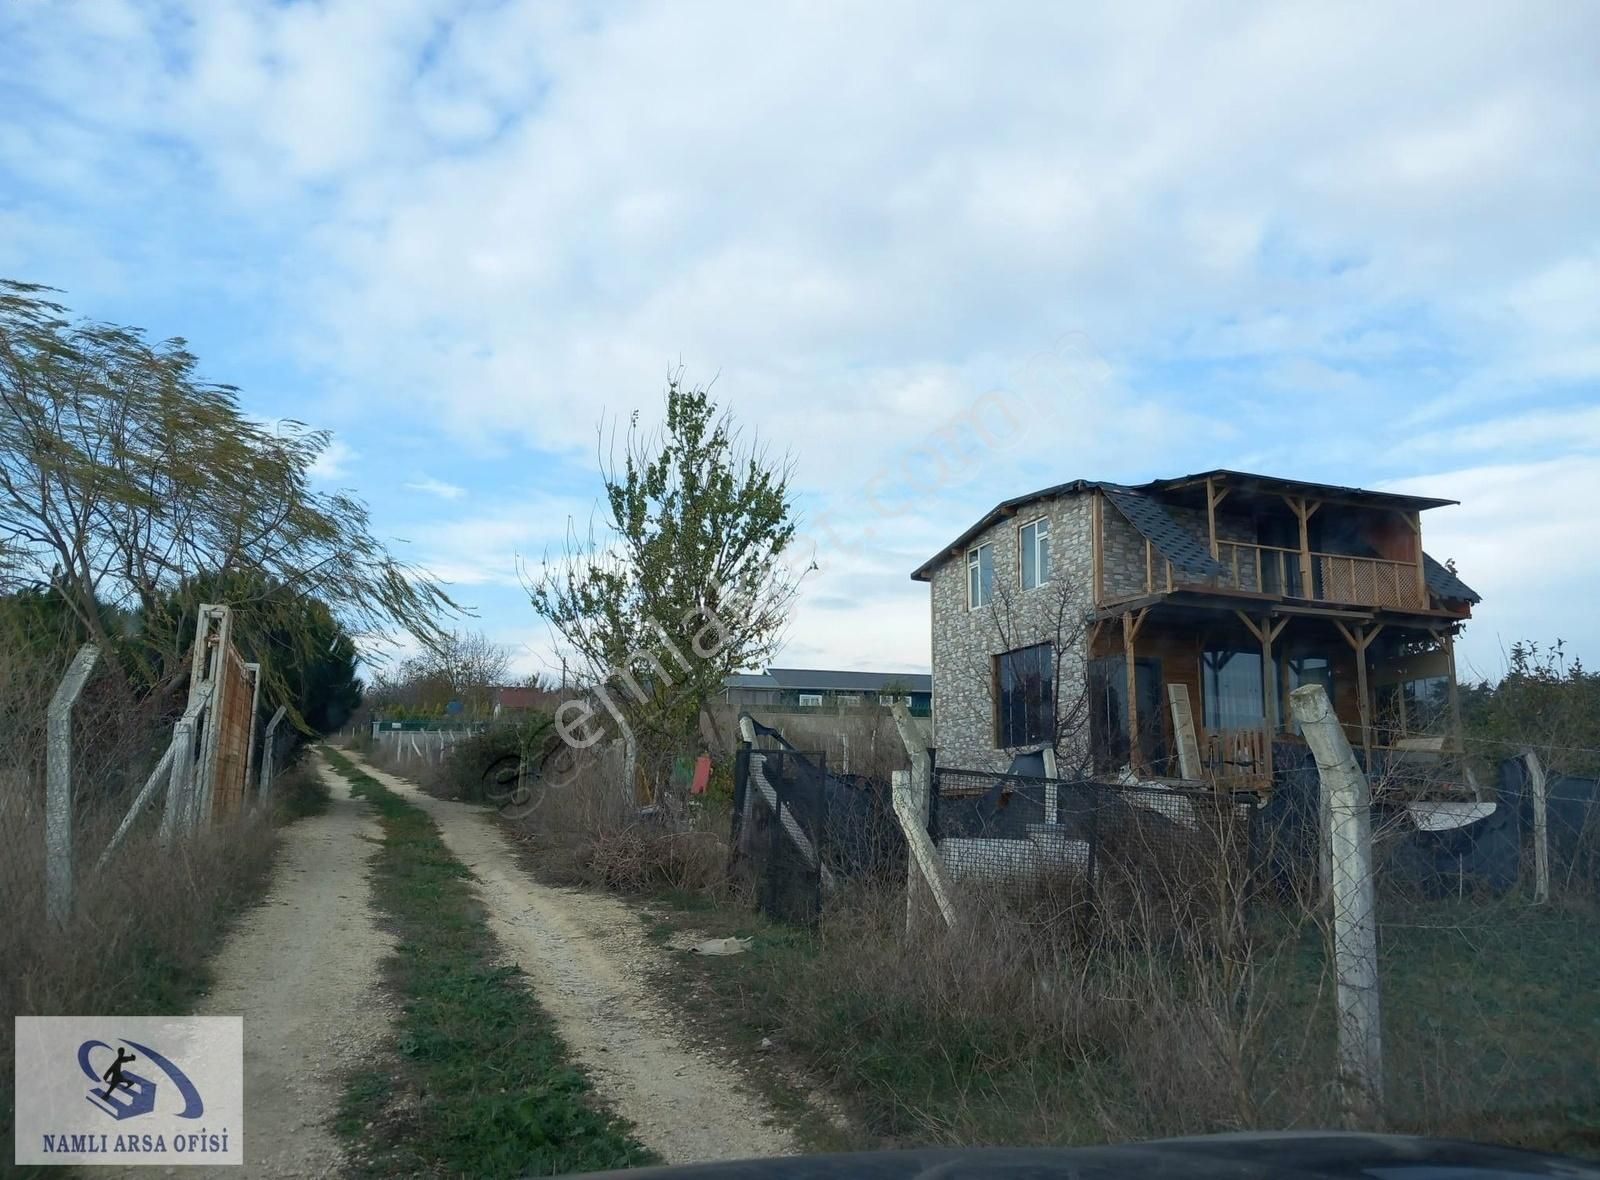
[(1128, 630), (1183, 729), (1454, 693), (1096, 528)]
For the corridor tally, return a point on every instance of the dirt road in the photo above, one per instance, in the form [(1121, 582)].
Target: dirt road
[(302, 968), (585, 955)]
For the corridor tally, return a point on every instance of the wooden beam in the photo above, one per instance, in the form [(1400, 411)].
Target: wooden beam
[(1249, 625), (1096, 526), (1415, 520), (1365, 690), (1450, 687), (1213, 498), (1130, 629)]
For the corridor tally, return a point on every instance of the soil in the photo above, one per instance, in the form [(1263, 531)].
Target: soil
[(303, 969), (589, 961)]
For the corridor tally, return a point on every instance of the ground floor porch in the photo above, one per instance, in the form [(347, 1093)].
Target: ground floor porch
[(1389, 675)]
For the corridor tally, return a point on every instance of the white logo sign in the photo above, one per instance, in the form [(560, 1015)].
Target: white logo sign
[(130, 1090)]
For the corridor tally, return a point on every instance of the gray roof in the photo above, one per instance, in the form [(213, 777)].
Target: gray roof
[(1445, 584), (1174, 542), (1243, 480), (835, 681), (749, 680)]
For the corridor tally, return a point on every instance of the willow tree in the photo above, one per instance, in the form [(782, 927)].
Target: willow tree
[(125, 479), (684, 582)]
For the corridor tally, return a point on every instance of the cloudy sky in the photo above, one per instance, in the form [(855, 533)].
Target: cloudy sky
[(1358, 244)]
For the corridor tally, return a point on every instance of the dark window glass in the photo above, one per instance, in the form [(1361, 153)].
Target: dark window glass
[(1024, 696), (1108, 713)]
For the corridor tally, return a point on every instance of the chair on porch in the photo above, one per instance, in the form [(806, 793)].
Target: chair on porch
[(1235, 755)]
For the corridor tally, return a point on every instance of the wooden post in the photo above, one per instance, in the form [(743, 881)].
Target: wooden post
[(1131, 622), (1414, 519), (1304, 510), (1213, 498), (58, 785), (1451, 688), (1537, 787), (1149, 566), (1359, 641), (1098, 546), (1348, 834)]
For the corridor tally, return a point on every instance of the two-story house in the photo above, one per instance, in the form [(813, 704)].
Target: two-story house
[(1060, 618)]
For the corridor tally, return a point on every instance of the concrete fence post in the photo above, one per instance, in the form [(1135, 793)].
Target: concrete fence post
[(269, 751), (58, 785), (1538, 787), (1348, 838)]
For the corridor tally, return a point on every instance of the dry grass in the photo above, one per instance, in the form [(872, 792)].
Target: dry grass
[(587, 829), (141, 933)]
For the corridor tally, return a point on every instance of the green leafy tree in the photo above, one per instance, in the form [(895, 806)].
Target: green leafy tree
[(686, 582), (124, 477), (308, 660)]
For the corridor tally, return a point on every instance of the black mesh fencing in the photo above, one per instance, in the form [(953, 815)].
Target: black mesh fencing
[(1166, 859), (780, 825)]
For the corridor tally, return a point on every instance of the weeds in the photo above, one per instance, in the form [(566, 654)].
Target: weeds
[(481, 1084)]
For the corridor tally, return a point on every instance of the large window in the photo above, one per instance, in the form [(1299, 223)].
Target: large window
[(1231, 688), (1033, 551), (980, 576), (1024, 696), (1108, 712)]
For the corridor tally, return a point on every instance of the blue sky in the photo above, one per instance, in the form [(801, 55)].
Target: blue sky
[(1359, 245)]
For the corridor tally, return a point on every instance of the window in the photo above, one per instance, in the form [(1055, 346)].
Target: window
[(811, 700), (1427, 702), (1033, 551), (1230, 686), (888, 699), (1108, 712), (848, 700), (1024, 696), (980, 576)]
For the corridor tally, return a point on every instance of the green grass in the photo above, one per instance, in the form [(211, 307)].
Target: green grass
[(479, 1084), (298, 793)]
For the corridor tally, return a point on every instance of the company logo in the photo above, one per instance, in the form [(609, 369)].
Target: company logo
[(126, 1095), (129, 1090)]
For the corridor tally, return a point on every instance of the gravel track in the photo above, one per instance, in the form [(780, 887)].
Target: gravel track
[(587, 958)]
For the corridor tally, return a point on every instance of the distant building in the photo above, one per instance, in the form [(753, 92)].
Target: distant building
[(828, 689), (524, 700)]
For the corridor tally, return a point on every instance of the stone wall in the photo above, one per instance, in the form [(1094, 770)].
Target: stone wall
[(966, 641)]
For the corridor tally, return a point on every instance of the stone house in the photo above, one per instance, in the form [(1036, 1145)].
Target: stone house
[(1062, 618)]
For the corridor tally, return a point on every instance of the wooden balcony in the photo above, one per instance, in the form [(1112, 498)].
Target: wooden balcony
[(1334, 577)]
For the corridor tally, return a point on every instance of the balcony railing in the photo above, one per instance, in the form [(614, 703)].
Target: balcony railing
[(1335, 577)]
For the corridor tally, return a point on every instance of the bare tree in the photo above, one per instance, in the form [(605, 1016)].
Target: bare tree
[(1052, 614)]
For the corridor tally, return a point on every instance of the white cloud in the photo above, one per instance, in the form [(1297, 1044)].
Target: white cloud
[(436, 487), (1523, 538), (334, 461), (1342, 245)]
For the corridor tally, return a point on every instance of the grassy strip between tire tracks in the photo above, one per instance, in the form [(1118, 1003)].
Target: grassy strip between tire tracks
[(480, 1084)]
